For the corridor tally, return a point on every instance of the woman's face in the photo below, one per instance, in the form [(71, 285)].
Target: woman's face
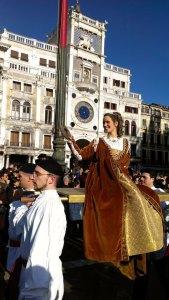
[(109, 125)]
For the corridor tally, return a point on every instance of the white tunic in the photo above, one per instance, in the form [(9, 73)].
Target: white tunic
[(16, 215), (41, 245)]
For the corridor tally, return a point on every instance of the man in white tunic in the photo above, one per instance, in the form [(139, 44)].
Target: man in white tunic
[(43, 238), (16, 214)]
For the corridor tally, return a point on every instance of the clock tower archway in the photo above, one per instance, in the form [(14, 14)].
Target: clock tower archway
[(82, 143), (73, 162)]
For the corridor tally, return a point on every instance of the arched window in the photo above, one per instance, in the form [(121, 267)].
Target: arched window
[(15, 109), (26, 111), (126, 127), (133, 128), (48, 115)]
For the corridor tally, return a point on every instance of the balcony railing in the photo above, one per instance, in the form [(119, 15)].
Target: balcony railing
[(20, 118), (30, 41), (19, 144), (117, 69), (87, 20), (86, 86), (47, 147), (25, 144)]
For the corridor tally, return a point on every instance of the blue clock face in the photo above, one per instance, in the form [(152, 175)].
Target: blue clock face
[(84, 112)]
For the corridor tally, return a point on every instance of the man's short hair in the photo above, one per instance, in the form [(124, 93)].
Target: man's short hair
[(150, 172), (66, 177)]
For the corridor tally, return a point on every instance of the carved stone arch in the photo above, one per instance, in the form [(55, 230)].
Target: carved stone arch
[(26, 113), (82, 143), (48, 114), (126, 127), (133, 128), (15, 111)]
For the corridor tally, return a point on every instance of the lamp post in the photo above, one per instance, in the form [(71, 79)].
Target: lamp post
[(58, 142)]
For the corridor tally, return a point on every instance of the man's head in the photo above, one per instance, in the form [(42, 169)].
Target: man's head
[(147, 179), (46, 174), (66, 180), (4, 177), (25, 176)]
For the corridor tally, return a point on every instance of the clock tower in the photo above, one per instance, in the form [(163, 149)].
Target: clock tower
[(84, 111)]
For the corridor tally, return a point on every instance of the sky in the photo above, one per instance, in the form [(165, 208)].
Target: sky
[(137, 36)]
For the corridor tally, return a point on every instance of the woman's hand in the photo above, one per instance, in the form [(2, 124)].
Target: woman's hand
[(66, 134)]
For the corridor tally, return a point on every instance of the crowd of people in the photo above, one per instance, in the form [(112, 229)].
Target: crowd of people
[(33, 226), (160, 181), (124, 223)]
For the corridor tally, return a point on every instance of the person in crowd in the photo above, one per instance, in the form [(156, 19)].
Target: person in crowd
[(17, 212), (147, 178), (2, 250), (136, 180), (43, 237), (160, 183), (83, 177), (118, 216), (66, 181), (167, 184), (158, 263), (4, 181), (77, 171), (76, 183)]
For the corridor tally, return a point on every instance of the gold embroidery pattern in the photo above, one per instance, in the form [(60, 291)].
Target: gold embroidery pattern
[(143, 224)]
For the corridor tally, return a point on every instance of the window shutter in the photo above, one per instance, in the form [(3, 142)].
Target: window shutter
[(51, 64), (42, 62), (25, 139), (24, 56), (14, 141), (14, 54), (47, 142)]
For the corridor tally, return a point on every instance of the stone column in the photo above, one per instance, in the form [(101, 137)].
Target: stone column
[(38, 102), (37, 137), (4, 97), (7, 161), (1, 161)]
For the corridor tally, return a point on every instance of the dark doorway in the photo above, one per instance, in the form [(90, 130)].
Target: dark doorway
[(73, 161), (82, 143)]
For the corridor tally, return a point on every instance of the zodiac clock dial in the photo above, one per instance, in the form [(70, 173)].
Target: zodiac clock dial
[(84, 112)]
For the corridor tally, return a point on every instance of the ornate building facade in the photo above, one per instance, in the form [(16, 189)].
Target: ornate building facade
[(27, 99), (155, 137), (94, 87)]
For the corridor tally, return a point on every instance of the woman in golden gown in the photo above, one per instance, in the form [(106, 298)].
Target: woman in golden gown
[(120, 220)]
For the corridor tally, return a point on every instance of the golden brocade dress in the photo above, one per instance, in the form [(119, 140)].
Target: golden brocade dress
[(120, 219)]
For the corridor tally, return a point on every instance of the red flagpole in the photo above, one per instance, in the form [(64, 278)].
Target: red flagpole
[(58, 143), (63, 15)]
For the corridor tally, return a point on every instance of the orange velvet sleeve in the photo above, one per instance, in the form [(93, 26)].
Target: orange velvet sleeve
[(86, 152)]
